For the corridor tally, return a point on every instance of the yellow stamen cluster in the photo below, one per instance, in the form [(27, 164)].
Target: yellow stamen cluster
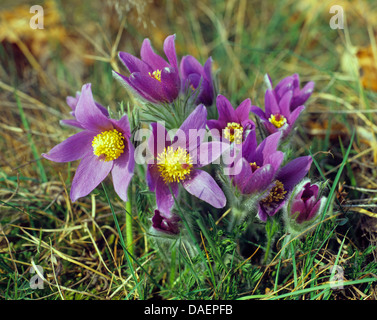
[(254, 166), (174, 165), (156, 75), (278, 120), (233, 132), (108, 145), (276, 194)]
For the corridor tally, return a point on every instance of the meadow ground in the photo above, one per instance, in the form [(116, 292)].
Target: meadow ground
[(91, 248)]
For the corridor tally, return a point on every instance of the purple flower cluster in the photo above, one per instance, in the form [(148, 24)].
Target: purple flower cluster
[(178, 161)]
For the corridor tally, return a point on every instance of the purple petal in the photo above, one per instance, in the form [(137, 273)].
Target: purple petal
[(294, 171), (192, 130), (285, 103), (150, 57), (122, 171), (208, 152), (243, 110), (249, 148), (226, 110), (88, 114), (71, 123), (190, 65), (159, 139), (294, 115), (244, 172), (148, 86), (71, 149), (72, 101), (122, 125), (170, 84), (275, 159), (259, 112), (203, 186), (134, 64), (131, 87), (164, 198), (285, 85), (271, 105), (89, 174), (267, 147), (169, 49), (259, 180)]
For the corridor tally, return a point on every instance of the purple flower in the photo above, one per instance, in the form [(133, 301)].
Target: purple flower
[(177, 162), (194, 75), (277, 115), (103, 147), (152, 78), (72, 103), (291, 83), (285, 181), (256, 165), (305, 204), (232, 124), (169, 224)]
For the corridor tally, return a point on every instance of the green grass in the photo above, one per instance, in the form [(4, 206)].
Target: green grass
[(102, 248)]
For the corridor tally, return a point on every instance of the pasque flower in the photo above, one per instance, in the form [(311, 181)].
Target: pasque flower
[(152, 78), (256, 165), (291, 83), (166, 223), (103, 146), (278, 115), (198, 77), (232, 124), (178, 162), (305, 204), (283, 184), (72, 103)]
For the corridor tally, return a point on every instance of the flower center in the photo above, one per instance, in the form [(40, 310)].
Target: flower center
[(254, 166), (108, 145), (174, 165), (233, 132), (278, 120), (156, 75), (276, 194)]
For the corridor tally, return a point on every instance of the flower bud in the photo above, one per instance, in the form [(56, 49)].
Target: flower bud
[(304, 206), (167, 225)]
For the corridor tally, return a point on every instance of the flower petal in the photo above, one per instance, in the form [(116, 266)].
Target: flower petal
[(243, 110), (122, 125), (122, 171), (164, 198), (89, 174), (208, 152), (71, 149), (134, 64), (203, 186), (88, 114), (159, 139), (226, 110), (71, 123), (259, 112), (259, 180), (294, 171), (126, 82), (169, 49), (192, 129), (270, 103), (150, 57)]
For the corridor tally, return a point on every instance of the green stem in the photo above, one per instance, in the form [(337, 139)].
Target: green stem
[(173, 265), (129, 234)]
